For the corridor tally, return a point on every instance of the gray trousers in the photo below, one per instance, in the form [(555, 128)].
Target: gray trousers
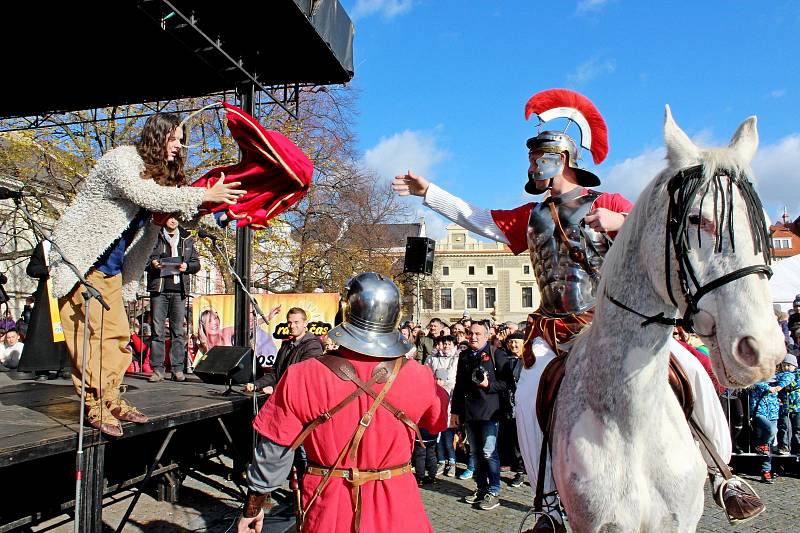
[(172, 305)]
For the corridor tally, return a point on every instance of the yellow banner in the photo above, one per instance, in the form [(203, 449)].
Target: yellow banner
[(213, 319), (55, 316)]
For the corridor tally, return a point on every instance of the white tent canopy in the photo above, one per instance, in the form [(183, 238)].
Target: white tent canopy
[(785, 282)]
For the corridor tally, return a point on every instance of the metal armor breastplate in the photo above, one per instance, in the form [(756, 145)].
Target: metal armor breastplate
[(564, 283)]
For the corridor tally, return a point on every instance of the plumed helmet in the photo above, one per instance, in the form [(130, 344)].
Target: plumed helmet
[(563, 103), (371, 312)]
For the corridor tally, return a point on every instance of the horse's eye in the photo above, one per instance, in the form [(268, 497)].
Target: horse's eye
[(694, 219)]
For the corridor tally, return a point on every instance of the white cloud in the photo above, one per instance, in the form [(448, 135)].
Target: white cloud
[(387, 8), (585, 6), (632, 175), (777, 93), (777, 173), (409, 150), (591, 69)]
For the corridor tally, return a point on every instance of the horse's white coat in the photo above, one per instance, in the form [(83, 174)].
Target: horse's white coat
[(623, 456)]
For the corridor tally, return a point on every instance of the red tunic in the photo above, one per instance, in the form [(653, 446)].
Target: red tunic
[(308, 389), (514, 222)]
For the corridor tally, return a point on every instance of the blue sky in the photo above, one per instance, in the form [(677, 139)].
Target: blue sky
[(442, 86)]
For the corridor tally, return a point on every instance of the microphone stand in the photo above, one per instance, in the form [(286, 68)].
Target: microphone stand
[(89, 292)]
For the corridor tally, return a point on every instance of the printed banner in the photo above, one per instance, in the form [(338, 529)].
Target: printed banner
[(213, 319)]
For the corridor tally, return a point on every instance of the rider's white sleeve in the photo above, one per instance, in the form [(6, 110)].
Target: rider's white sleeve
[(466, 215), (707, 411)]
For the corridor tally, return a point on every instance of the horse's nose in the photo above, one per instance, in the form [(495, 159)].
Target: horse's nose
[(747, 351)]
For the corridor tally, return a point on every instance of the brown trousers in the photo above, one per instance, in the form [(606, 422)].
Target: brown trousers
[(108, 357)]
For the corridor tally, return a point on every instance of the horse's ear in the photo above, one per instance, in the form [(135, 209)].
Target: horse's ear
[(681, 150), (745, 140)]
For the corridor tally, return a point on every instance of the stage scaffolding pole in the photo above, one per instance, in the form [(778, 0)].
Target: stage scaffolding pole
[(244, 244)]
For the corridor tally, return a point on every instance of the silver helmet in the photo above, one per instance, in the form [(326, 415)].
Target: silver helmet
[(553, 143), (371, 312)]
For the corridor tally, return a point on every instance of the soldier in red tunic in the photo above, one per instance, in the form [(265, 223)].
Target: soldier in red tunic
[(357, 411)]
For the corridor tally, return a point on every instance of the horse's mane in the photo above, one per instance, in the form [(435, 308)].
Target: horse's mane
[(653, 201)]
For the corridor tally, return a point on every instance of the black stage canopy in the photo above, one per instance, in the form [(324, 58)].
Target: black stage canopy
[(66, 56)]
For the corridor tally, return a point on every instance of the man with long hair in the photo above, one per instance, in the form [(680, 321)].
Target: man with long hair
[(107, 232)]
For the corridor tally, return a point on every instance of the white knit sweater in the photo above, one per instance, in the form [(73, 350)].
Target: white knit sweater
[(111, 197)]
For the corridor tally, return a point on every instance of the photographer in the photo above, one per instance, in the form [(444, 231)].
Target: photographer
[(480, 378)]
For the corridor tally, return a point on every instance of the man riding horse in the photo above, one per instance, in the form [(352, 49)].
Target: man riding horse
[(567, 235)]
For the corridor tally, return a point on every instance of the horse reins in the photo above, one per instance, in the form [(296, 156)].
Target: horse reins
[(683, 188)]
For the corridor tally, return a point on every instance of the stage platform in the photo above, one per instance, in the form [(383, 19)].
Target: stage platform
[(190, 423)]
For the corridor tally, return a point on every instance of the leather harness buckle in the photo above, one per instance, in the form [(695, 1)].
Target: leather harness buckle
[(384, 475), (365, 419)]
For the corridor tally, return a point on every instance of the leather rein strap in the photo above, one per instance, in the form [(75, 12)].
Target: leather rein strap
[(344, 369)]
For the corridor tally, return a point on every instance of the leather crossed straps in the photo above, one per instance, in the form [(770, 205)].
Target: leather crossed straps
[(347, 372)]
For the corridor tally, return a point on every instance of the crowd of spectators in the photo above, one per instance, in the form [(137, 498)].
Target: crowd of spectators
[(478, 363)]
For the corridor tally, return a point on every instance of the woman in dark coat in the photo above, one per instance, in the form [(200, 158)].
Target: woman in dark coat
[(42, 353)]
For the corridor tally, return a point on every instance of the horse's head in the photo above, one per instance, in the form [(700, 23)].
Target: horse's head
[(716, 249)]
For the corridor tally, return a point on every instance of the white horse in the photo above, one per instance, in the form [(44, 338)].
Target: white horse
[(623, 456)]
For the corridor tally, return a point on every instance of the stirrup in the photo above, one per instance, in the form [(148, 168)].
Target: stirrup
[(721, 501)]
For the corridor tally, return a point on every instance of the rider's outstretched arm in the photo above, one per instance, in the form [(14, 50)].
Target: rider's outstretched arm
[(475, 219)]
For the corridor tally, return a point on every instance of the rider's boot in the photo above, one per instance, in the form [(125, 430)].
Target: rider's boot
[(736, 497)]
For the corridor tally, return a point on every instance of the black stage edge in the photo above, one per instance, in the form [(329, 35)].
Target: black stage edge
[(190, 423)]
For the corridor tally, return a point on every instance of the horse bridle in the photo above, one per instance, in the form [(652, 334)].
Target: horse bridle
[(682, 188)]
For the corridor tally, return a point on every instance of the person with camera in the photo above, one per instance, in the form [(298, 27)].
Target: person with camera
[(480, 380)]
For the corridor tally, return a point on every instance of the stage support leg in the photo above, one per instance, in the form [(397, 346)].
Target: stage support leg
[(93, 485), (143, 484)]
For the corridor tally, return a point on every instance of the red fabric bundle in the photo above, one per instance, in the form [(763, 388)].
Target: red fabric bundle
[(273, 170)]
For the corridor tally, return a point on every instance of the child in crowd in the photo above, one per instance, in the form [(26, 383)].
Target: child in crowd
[(789, 413), (764, 409)]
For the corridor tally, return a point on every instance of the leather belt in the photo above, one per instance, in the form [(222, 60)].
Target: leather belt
[(359, 477)]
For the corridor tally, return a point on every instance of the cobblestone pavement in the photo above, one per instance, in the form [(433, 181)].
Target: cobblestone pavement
[(210, 503)]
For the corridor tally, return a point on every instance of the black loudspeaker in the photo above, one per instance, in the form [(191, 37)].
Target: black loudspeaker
[(419, 255), (226, 363)]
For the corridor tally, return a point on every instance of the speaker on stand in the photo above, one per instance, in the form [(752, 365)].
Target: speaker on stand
[(226, 365), (419, 260)]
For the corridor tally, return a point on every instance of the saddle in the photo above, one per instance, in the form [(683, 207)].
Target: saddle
[(553, 375), (546, 397), (384, 372)]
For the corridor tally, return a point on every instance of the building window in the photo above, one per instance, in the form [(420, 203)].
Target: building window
[(489, 270), (527, 296), (526, 269), (208, 282), (490, 297), (447, 299), (445, 271), (471, 270), (782, 243), (427, 298), (472, 298)]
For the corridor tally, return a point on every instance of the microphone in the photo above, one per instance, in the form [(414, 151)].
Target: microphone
[(203, 234), (6, 194)]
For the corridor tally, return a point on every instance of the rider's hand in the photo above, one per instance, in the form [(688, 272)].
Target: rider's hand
[(222, 192), (248, 525), (410, 185), (604, 220)]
